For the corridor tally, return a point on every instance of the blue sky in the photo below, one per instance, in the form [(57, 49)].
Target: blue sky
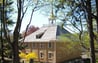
[(38, 20)]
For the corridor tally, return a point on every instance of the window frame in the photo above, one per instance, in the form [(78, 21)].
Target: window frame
[(41, 45), (41, 55), (50, 55), (49, 45), (34, 45)]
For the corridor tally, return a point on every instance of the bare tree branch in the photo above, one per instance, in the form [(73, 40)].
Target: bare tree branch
[(29, 23)]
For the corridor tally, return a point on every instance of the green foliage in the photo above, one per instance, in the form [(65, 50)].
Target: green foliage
[(86, 40), (9, 23), (73, 13), (69, 37), (97, 60), (74, 38)]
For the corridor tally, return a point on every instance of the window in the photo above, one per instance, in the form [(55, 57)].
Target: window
[(28, 51), (41, 55), (50, 55), (34, 45), (41, 45), (49, 45), (28, 45), (39, 35)]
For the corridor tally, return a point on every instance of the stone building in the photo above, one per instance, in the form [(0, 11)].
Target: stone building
[(49, 49)]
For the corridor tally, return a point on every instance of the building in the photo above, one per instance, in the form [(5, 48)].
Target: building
[(45, 43)]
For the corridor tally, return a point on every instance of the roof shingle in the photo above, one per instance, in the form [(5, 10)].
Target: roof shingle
[(45, 34)]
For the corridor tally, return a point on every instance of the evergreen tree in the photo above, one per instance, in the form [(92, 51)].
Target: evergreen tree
[(5, 11)]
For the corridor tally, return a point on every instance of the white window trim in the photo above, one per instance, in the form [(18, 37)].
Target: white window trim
[(41, 56)]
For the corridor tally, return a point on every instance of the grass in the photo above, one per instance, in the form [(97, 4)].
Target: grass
[(97, 57), (97, 60)]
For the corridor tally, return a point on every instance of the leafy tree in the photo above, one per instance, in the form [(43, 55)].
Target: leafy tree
[(5, 47), (79, 13)]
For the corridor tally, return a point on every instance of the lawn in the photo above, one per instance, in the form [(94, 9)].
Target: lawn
[(97, 60)]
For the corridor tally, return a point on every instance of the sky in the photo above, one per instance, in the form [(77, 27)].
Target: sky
[(38, 20)]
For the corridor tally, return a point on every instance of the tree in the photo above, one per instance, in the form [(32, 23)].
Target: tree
[(91, 34), (22, 6), (80, 14), (5, 48), (30, 30), (96, 17), (77, 12)]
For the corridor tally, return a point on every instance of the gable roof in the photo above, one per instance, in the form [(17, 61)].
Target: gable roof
[(46, 34)]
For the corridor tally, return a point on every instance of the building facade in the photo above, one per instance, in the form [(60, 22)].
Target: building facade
[(49, 49)]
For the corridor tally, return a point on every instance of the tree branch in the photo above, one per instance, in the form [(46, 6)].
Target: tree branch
[(28, 24)]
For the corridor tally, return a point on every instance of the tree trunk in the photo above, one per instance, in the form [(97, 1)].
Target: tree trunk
[(16, 34), (2, 55), (2, 20), (90, 30), (15, 53)]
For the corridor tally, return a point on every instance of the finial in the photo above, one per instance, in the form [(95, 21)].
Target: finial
[(52, 16)]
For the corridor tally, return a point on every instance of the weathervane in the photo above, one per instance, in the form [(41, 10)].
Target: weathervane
[(52, 16)]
